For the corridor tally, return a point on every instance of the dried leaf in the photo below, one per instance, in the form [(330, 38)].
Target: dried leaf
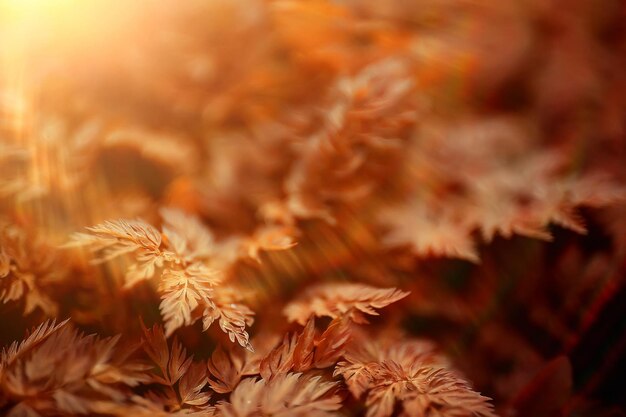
[(226, 368), (57, 367), (289, 394), (338, 299), (412, 374), (331, 344)]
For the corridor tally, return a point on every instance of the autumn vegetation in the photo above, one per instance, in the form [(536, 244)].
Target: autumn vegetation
[(312, 208)]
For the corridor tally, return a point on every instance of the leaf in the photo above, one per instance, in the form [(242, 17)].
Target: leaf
[(360, 364), (304, 351), (443, 391), (292, 394), (280, 359), (143, 269), (485, 176), (358, 376), (182, 292), (332, 343), (226, 368), (173, 363), (429, 232), (115, 238), (184, 378), (337, 299), (129, 234), (197, 240), (156, 347), (178, 363), (412, 374), (182, 256), (355, 141), (232, 317), (245, 399), (69, 403), (29, 268), (37, 336), (191, 384), (270, 238), (58, 368)]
